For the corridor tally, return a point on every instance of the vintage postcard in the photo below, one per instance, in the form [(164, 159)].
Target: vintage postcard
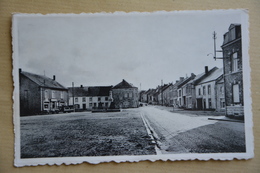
[(131, 86)]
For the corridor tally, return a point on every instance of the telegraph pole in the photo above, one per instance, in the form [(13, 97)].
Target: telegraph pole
[(73, 96)]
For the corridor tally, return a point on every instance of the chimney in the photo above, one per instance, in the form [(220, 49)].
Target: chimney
[(206, 69), (177, 81), (181, 78), (20, 70), (81, 86), (54, 77), (193, 75)]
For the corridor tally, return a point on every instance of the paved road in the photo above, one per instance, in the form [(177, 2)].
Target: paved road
[(178, 133)]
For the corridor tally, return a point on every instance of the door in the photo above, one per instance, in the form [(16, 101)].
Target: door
[(199, 104), (84, 106)]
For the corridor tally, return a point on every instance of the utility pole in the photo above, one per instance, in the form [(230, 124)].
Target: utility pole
[(215, 51), (215, 57), (73, 96)]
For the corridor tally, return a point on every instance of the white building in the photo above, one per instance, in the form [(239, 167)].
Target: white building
[(206, 97), (87, 98)]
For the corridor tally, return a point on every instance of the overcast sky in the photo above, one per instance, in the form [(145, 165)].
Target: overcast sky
[(103, 49)]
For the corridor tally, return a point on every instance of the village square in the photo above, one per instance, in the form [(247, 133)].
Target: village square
[(198, 113)]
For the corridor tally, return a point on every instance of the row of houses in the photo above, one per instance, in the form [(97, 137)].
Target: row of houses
[(219, 89), (40, 94), (194, 92)]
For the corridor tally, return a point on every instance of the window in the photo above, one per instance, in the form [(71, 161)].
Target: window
[(210, 104), (90, 99), (53, 94), (61, 95), (222, 103), (106, 104), (232, 34), (179, 93), (130, 95), (209, 89), (125, 95), (46, 105), (199, 92), (236, 98), (106, 98), (46, 94), (90, 105), (221, 90), (84, 99), (99, 99), (204, 90), (234, 60), (76, 99)]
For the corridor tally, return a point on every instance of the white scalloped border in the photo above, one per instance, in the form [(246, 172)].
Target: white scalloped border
[(18, 162)]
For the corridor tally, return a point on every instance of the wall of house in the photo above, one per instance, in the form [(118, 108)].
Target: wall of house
[(233, 78), (125, 97), (208, 97), (53, 99), (30, 97), (220, 96), (90, 102)]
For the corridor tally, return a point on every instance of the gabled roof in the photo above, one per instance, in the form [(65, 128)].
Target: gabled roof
[(212, 76), (42, 81), (186, 80), (90, 91), (123, 84)]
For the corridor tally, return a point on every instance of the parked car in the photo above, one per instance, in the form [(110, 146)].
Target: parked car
[(67, 109)]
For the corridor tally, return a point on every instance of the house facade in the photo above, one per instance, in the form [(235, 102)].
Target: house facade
[(40, 94), (125, 95), (175, 93), (206, 91), (233, 71), (220, 95), (183, 92), (90, 97)]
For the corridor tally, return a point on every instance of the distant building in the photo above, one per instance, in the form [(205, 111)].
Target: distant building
[(182, 92), (175, 93), (167, 94), (125, 95), (189, 90), (206, 90), (40, 94), (90, 97), (141, 97), (233, 71)]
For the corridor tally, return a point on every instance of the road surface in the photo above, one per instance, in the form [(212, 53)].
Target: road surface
[(178, 133)]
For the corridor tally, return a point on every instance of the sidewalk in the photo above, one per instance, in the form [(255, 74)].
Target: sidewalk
[(224, 118), (190, 112)]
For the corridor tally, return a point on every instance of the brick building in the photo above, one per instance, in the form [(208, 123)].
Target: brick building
[(40, 94), (125, 95), (233, 71)]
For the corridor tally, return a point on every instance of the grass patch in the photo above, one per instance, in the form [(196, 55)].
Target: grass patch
[(84, 134)]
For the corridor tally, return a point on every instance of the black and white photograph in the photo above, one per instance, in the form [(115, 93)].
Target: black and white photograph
[(101, 87)]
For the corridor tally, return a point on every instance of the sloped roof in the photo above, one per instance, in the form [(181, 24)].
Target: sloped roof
[(213, 76), (90, 91), (123, 84), (43, 81)]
